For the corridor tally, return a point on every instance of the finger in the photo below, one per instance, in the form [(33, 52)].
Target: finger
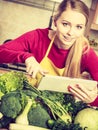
[(34, 73), (29, 70), (28, 66), (77, 92), (44, 72), (82, 90), (87, 92)]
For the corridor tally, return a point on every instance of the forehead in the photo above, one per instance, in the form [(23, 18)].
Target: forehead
[(73, 17)]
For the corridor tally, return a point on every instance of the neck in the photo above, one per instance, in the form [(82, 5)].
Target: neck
[(51, 34)]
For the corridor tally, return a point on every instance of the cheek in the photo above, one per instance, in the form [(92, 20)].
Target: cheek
[(79, 33), (61, 29)]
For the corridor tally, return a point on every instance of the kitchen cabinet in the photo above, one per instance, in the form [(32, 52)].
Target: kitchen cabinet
[(92, 25), (92, 29)]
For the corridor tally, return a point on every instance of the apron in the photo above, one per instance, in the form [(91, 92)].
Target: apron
[(47, 64)]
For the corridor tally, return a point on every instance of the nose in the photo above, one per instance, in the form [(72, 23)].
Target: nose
[(71, 31)]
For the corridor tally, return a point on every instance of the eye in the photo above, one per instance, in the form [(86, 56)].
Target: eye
[(79, 27), (65, 24)]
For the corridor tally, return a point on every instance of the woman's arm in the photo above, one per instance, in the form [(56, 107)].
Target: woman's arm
[(90, 63), (95, 102), (17, 50)]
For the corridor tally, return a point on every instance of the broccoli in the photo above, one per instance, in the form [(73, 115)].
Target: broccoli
[(11, 81), (13, 103), (38, 116)]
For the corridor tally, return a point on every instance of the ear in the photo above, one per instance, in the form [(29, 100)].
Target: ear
[(54, 22)]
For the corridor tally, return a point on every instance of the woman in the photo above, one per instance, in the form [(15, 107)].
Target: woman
[(64, 51)]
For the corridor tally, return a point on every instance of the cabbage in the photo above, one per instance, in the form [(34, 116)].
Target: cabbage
[(88, 118)]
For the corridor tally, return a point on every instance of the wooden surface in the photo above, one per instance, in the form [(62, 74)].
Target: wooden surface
[(2, 70)]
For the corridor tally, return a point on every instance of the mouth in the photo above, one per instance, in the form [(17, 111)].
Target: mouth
[(67, 39)]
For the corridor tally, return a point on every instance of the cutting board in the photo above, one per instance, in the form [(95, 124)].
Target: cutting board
[(59, 83)]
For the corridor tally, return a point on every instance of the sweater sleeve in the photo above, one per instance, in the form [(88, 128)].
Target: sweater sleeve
[(95, 102), (91, 64), (18, 49)]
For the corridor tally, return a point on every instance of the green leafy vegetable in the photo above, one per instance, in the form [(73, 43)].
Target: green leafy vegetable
[(11, 81), (61, 125), (53, 110)]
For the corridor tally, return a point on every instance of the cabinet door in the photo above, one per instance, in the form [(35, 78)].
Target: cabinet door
[(96, 15)]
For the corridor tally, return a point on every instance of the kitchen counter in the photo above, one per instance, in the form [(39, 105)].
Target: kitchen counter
[(2, 70)]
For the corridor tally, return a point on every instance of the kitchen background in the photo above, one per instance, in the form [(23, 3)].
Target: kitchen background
[(20, 16)]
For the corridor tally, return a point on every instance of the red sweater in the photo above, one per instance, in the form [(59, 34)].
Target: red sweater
[(35, 43)]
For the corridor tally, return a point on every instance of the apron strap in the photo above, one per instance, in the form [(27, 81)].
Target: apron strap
[(50, 46)]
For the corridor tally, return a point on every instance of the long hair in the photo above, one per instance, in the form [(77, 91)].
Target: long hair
[(73, 62)]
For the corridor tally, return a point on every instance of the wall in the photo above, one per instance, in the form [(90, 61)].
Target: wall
[(15, 19)]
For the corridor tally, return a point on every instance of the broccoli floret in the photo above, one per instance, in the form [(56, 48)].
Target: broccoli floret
[(12, 104), (11, 81), (38, 116)]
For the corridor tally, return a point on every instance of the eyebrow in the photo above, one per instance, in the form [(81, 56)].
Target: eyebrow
[(77, 24)]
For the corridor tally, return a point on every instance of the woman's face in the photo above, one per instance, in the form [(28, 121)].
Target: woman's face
[(69, 26)]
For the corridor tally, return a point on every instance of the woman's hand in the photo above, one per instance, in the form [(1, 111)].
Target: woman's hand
[(85, 94), (33, 67)]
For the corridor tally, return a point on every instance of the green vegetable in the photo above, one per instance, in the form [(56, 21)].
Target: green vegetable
[(38, 116), (14, 126), (23, 117), (61, 125), (66, 100), (53, 110), (53, 96), (73, 106), (88, 118), (12, 104), (11, 81), (1, 115), (50, 123), (57, 110)]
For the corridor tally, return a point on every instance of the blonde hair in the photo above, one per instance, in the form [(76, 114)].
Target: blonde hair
[(76, 5), (73, 62)]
